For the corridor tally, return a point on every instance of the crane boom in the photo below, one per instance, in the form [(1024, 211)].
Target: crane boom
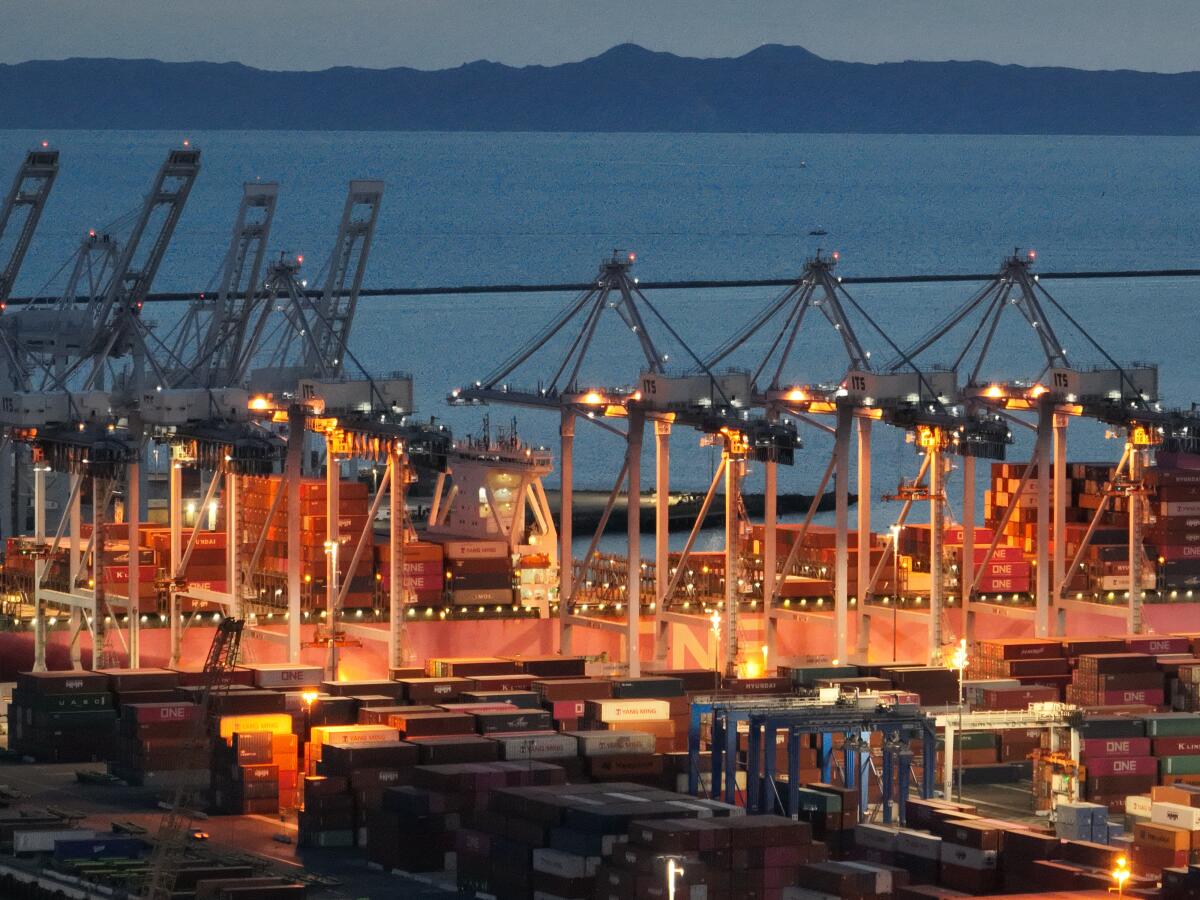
[(219, 328), (28, 193), (107, 327), (335, 310), (308, 334)]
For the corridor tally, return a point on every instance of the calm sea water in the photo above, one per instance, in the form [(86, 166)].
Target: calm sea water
[(502, 208)]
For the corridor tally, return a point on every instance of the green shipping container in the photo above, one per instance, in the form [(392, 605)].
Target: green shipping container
[(1173, 725), (71, 720), (807, 676), (1179, 765), (66, 702), (820, 802)]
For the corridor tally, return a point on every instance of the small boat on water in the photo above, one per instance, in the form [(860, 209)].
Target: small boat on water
[(818, 232)]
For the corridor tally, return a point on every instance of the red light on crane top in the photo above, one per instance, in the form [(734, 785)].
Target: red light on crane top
[(186, 142), (91, 232), (45, 144), (1033, 254), (300, 258), (632, 257), (836, 255)]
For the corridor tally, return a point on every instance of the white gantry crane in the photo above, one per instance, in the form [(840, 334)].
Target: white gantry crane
[(1054, 390), (713, 404), (923, 402)]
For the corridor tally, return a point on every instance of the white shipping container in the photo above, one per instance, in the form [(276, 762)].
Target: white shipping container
[(1176, 815), (285, 675), (1121, 582), (607, 743), (551, 745), (629, 710), (42, 841)]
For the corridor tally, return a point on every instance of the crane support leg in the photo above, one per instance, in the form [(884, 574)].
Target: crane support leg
[(662, 554), (175, 511), (74, 566), (863, 573), (39, 567), (332, 542), (937, 531), (841, 453), (770, 552), (397, 595), (966, 574), (1045, 435), (133, 513), (733, 488), (1059, 536), (633, 592), (293, 466), (566, 556), (233, 542), (1136, 553)]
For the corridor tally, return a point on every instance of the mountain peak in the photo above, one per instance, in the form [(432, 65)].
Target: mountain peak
[(782, 53)]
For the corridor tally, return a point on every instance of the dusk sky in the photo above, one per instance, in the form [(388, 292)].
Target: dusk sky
[(1153, 35)]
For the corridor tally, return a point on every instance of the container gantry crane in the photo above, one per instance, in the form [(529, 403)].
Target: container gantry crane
[(705, 402), (614, 289), (65, 414), (1123, 396), (922, 402), (290, 346)]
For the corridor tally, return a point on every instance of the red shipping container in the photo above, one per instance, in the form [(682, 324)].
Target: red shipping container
[(120, 574), (1018, 698), (1094, 748), (567, 709), (1122, 765), (149, 713), (1158, 644), (1007, 569), (1177, 525), (1004, 585), (1177, 746), (1150, 861), (956, 534), (1143, 697), (1163, 476), (1177, 552)]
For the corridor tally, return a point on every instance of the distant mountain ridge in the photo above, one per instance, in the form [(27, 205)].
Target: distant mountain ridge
[(626, 89)]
